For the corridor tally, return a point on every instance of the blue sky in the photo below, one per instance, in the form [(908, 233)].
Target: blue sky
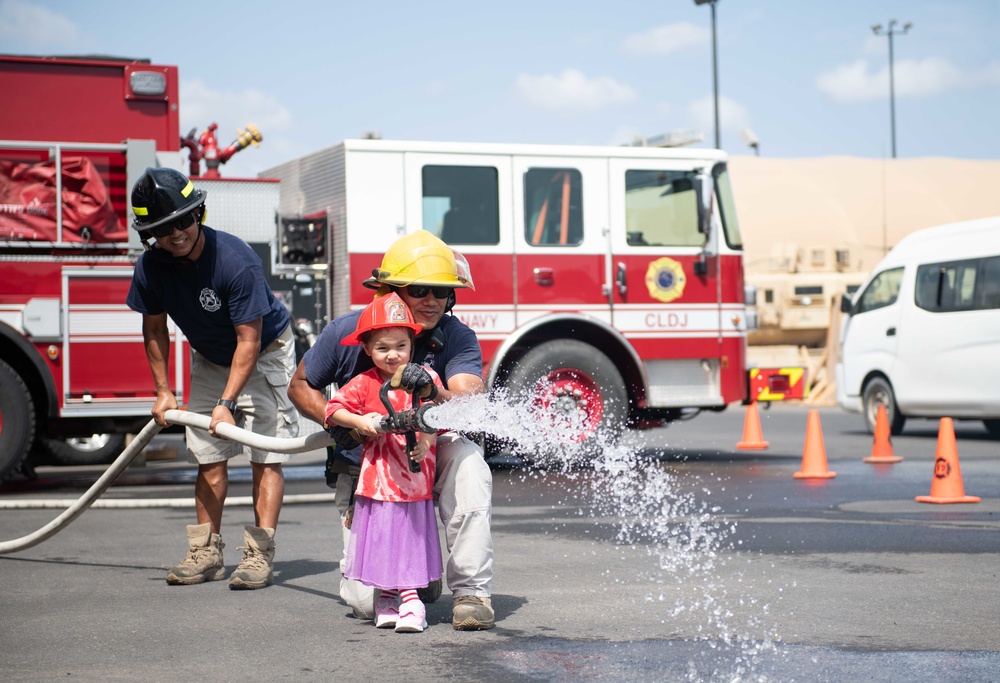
[(808, 77)]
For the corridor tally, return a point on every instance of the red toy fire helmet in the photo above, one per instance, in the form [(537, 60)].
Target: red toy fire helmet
[(384, 311)]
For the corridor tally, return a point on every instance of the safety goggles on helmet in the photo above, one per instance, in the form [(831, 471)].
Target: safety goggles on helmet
[(420, 291)]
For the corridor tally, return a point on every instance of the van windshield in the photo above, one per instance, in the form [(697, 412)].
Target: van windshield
[(882, 291)]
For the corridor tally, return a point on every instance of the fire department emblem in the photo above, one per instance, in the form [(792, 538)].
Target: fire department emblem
[(210, 300), (395, 312), (665, 279)]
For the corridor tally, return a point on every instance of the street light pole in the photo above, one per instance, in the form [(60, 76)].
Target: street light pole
[(891, 31), (715, 71)]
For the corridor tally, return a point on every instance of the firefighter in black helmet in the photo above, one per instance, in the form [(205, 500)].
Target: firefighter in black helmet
[(162, 198), (211, 284)]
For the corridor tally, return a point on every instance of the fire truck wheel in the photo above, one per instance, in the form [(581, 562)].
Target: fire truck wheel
[(568, 380), (96, 449), (876, 391), (17, 421)]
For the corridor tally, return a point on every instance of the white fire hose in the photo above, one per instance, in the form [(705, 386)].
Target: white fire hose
[(305, 444)]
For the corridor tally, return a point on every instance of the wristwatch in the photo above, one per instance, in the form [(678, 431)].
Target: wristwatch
[(229, 404)]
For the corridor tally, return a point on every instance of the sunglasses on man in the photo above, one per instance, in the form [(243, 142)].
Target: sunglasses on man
[(420, 291), (167, 229)]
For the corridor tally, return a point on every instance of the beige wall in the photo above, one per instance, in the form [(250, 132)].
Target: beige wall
[(864, 204)]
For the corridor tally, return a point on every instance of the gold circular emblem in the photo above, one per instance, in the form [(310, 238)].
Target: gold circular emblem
[(665, 279)]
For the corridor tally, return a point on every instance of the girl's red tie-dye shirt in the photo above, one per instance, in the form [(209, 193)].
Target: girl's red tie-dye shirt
[(385, 470)]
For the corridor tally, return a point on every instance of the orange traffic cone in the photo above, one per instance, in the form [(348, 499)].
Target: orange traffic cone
[(753, 440), (946, 486), (814, 453), (882, 445)]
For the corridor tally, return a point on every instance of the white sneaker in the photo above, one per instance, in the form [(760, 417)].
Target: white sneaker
[(386, 612), (412, 617)]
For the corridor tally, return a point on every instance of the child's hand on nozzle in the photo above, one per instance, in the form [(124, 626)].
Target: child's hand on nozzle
[(419, 451), (368, 424)]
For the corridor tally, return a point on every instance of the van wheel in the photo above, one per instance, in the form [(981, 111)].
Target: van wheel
[(993, 427), (17, 421), (879, 391), (570, 382)]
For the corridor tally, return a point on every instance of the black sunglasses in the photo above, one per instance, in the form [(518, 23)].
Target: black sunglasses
[(167, 229), (420, 291)]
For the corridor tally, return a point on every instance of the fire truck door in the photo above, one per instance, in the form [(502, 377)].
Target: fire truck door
[(465, 200), (560, 236), (104, 366), (666, 298)]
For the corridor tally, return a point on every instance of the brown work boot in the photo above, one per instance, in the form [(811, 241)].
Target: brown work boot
[(256, 569), (204, 558), (471, 613)]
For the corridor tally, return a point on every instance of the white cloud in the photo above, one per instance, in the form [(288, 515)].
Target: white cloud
[(662, 40), (571, 92), (36, 27), (859, 82), (623, 135), (732, 114), (202, 105)]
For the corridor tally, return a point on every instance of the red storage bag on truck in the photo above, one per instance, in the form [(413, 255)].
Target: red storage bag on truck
[(28, 203)]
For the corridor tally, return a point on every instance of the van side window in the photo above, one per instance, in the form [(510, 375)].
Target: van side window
[(661, 209), (947, 287), (553, 207), (989, 282), (881, 292), (461, 203)]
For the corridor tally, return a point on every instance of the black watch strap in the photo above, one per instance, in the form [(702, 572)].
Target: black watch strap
[(227, 403)]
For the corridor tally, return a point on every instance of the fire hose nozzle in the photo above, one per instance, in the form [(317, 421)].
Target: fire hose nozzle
[(407, 421), (251, 136)]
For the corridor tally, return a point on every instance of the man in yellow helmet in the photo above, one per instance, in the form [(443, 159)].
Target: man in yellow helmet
[(425, 272)]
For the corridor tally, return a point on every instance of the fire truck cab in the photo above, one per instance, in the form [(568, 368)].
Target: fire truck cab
[(609, 280)]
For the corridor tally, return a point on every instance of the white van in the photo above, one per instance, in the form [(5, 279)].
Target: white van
[(922, 334)]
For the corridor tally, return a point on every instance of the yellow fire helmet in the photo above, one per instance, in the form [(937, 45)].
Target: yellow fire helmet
[(421, 258)]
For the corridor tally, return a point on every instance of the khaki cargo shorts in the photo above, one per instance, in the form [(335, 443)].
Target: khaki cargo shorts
[(263, 405)]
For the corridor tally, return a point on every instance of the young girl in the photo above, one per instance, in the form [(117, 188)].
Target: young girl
[(394, 540)]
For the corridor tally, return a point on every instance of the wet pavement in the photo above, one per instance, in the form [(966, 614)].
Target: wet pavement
[(843, 579)]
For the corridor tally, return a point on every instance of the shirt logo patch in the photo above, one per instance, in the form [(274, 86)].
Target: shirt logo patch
[(210, 300)]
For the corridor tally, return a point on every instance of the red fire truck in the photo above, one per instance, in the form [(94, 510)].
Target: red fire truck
[(76, 134), (609, 280)]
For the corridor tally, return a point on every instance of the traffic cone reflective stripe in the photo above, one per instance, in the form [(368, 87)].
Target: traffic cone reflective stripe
[(814, 453), (946, 486), (882, 445), (753, 440)]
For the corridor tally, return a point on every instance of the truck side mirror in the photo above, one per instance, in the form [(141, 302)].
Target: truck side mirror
[(703, 189)]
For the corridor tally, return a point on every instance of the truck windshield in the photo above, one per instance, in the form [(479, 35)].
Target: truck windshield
[(727, 207)]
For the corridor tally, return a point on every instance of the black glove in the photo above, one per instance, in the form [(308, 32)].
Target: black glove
[(345, 437), (414, 379)]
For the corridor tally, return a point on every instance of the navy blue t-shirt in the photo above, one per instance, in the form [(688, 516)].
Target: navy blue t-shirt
[(328, 362), (207, 297)]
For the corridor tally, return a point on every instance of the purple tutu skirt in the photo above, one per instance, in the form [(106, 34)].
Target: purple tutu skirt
[(393, 545)]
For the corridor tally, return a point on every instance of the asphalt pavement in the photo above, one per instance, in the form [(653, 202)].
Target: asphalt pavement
[(700, 563)]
